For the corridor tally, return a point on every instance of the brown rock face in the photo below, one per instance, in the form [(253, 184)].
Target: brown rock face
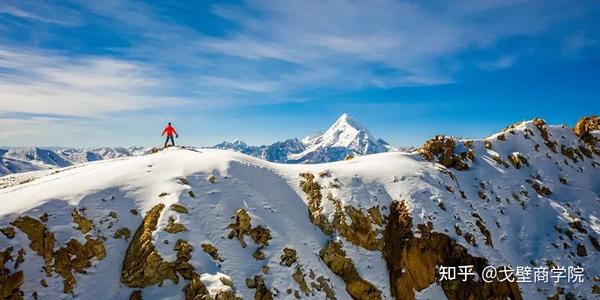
[(9, 232), (335, 258), (142, 265), (261, 291), (179, 208), (441, 149), (260, 235), (584, 126), (312, 189), (84, 225), (75, 257), (288, 257), (41, 241), (212, 251), (173, 227), (122, 233), (543, 128), (411, 262), (10, 283)]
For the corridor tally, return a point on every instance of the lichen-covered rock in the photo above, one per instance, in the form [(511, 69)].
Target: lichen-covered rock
[(212, 251), (142, 265), (41, 241), (288, 257), (83, 224), (442, 150), (122, 233), (173, 227), (412, 261), (585, 126), (10, 283), (335, 259), (9, 232), (178, 208)]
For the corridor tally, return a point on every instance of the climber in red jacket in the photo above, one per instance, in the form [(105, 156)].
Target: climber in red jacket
[(169, 130)]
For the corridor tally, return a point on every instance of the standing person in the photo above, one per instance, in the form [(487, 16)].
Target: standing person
[(169, 130)]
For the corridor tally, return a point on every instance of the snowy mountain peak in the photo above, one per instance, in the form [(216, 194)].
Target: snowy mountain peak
[(343, 133)]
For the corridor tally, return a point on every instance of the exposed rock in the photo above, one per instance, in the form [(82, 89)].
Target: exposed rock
[(518, 160), (260, 235), (41, 241), (288, 257), (595, 242), (173, 227), (183, 180), (211, 179), (191, 193), (133, 211), (195, 289), (136, 295), (122, 233), (375, 215), (442, 150), (20, 257), (298, 277), (577, 224), (541, 126), (10, 283), (9, 232), (412, 261), (335, 258), (163, 194), (323, 285), (542, 190), (84, 225), (359, 232), (258, 283), (312, 189), (178, 208), (142, 265), (75, 257), (212, 251), (113, 214), (585, 126), (258, 254), (581, 251)]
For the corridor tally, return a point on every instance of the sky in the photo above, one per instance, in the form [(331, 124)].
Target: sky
[(108, 73)]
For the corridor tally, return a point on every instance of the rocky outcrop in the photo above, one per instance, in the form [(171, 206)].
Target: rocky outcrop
[(412, 261), (174, 227), (288, 257), (76, 257), (261, 292), (212, 251), (41, 241), (335, 259), (9, 232), (122, 233), (312, 189), (178, 208), (585, 126), (84, 225), (441, 149), (142, 265), (10, 283), (259, 234)]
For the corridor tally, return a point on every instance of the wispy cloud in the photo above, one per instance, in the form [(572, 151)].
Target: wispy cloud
[(49, 83)]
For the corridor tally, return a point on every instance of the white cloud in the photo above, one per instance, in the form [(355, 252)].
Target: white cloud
[(49, 83)]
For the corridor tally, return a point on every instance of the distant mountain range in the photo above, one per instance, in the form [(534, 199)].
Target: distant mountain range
[(345, 138), (24, 159)]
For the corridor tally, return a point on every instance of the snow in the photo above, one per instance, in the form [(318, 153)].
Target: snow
[(522, 231)]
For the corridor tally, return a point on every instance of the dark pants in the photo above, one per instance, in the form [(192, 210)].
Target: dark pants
[(170, 137)]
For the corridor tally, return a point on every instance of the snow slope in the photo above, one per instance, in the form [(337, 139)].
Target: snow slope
[(525, 227)]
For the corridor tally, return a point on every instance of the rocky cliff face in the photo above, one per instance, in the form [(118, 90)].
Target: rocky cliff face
[(212, 224)]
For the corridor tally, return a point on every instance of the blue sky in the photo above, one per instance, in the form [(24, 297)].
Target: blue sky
[(90, 73)]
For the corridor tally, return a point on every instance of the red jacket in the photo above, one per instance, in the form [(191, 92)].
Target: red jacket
[(169, 130)]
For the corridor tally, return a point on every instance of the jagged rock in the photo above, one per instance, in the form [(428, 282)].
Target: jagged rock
[(173, 227), (178, 208), (136, 295), (312, 189), (258, 283), (359, 232), (288, 257), (442, 150), (298, 277), (585, 126), (335, 259), (84, 225), (10, 283), (412, 261), (75, 257), (122, 233), (195, 289), (260, 235), (212, 251), (240, 227), (517, 160), (9, 232), (142, 265), (543, 128), (375, 215), (211, 179), (41, 241)]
